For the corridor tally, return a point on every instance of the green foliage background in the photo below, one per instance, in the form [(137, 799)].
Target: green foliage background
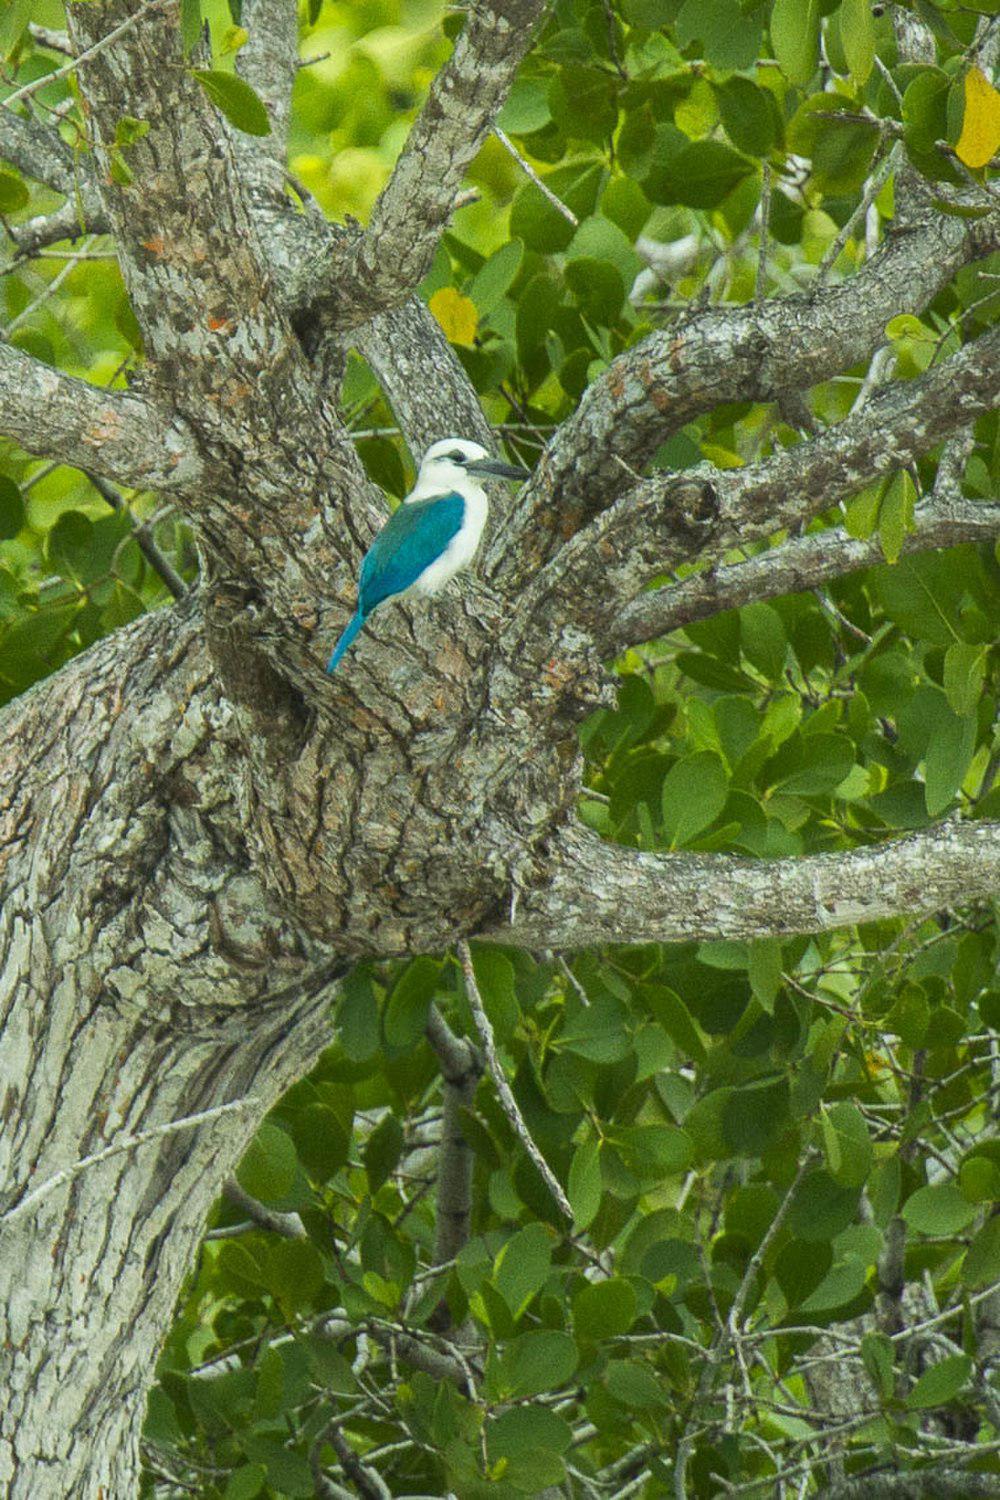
[(677, 1092)]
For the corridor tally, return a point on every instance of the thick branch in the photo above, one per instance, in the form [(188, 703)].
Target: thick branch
[(928, 1483), (38, 152), (385, 264), (269, 63), (117, 433), (751, 353), (670, 518), (423, 381), (595, 892), (804, 562)]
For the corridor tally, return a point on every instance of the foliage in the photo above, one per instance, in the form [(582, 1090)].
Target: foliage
[(772, 1151)]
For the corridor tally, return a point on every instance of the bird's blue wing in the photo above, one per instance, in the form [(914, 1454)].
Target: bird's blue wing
[(414, 536)]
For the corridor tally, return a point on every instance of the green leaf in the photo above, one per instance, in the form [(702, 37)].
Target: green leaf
[(235, 98), (68, 544), (941, 1383), (320, 1140), (268, 1168), (964, 675), (190, 24), (527, 107), (11, 508), (938, 1209), (729, 36), (895, 515), (857, 36), (700, 175), (822, 1208), (598, 288), (494, 278), (675, 1018), (406, 1011), (846, 1143), (764, 967), (495, 977), (357, 1017), (633, 1383), (382, 1151), (795, 37), (598, 1031), (603, 1309), (981, 1266), (13, 193), (294, 1272), (583, 102), (541, 226), (520, 1434), (541, 1360), (877, 1356), (949, 754), (800, 1268), (810, 765), (522, 1266), (749, 115), (584, 1185), (694, 794), (763, 639)]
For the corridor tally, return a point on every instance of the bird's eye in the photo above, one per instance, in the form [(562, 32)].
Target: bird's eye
[(457, 457)]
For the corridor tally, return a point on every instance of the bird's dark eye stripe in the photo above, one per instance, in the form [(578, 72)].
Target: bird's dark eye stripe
[(457, 457)]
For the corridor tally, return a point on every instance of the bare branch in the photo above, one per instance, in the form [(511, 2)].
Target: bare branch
[(800, 563), (288, 1225), (593, 892), (123, 1143), (386, 263), (503, 1088), (720, 354), (120, 433), (672, 518), (65, 223), (461, 1069), (160, 564), (39, 152), (927, 1483)]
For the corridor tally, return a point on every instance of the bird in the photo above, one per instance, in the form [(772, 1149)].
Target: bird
[(432, 535)]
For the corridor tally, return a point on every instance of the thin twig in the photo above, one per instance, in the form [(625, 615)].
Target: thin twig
[(529, 171), (765, 220), (125, 1143), (875, 184), (288, 1225), (144, 541), (507, 1100)]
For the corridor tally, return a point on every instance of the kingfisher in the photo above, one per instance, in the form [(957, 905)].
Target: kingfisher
[(432, 535)]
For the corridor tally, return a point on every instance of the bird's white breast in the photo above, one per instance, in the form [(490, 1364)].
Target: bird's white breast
[(461, 549)]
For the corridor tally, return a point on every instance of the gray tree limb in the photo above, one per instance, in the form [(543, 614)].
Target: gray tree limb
[(369, 273), (593, 892), (928, 1483), (120, 434), (703, 512), (802, 562), (748, 353)]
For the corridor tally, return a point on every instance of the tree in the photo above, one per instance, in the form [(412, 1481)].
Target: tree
[(681, 1179)]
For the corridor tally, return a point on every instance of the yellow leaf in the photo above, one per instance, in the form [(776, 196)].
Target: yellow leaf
[(980, 138), (456, 314)]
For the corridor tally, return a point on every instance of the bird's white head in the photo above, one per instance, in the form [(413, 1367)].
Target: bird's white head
[(450, 463)]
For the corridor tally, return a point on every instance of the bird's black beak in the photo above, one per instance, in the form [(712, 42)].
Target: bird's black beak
[(497, 467)]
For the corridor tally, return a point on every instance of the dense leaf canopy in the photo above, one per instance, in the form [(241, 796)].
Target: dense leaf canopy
[(781, 1155)]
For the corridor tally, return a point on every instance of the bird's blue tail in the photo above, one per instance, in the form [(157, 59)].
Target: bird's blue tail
[(345, 641)]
